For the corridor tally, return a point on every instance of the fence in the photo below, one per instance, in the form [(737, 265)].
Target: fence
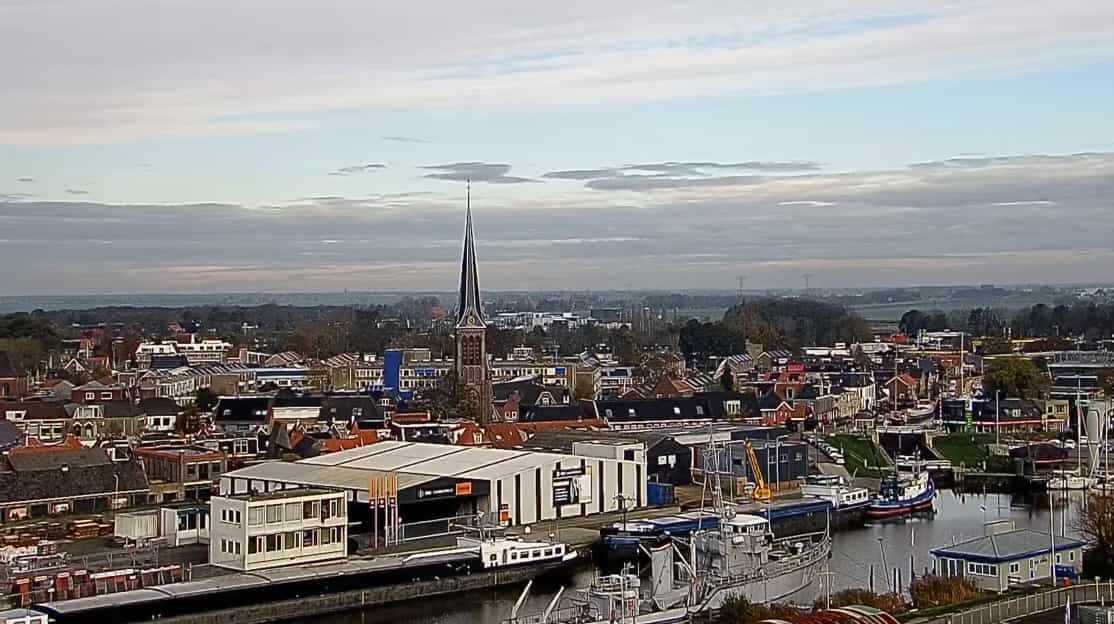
[(1020, 606)]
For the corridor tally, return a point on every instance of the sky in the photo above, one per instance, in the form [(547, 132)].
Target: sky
[(171, 146)]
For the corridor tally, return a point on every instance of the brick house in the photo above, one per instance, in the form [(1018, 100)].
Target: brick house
[(13, 379)]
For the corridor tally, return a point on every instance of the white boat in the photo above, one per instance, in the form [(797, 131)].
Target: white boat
[(1066, 480), (835, 490)]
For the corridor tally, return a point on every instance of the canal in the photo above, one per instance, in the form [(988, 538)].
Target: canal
[(882, 546)]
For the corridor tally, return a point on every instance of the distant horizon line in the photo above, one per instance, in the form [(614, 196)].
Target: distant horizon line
[(434, 291)]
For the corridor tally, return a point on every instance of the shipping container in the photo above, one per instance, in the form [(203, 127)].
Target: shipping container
[(659, 494)]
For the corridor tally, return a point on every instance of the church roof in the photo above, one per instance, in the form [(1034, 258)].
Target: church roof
[(469, 311)]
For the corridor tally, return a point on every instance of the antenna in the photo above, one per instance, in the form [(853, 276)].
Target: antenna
[(742, 282), (806, 277)]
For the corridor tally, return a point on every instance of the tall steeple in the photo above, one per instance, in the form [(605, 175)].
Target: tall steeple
[(469, 310), (473, 376)]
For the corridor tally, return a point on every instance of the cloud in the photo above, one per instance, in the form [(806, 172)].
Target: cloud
[(492, 173), (904, 225), (72, 191), (369, 57), (351, 169), (675, 175), (404, 139), (26, 179)]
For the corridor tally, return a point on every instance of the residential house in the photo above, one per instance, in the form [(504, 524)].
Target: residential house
[(182, 472), (773, 360), (47, 421), (44, 481), (13, 379), (902, 389), (161, 414), (241, 414), (97, 392), (623, 414)]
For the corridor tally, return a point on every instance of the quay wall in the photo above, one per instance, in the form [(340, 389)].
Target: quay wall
[(310, 606)]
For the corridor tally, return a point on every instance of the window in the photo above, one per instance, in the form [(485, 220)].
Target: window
[(90, 396), (291, 540), (1071, 555), (1015, 568), (106, 396), (309, 509), (548, 552), (309, 537), (274, 543), (676, 411), (255, 516), (663, 460), (237, 547), (293, 512), (1057, 558), (699, 410), (274, 514), (982, 569), (607, 412), (255, 546)]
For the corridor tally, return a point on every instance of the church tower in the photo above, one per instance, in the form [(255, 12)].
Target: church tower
[(473, 376)]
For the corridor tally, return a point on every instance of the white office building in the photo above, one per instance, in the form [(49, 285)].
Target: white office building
[(293, 527)]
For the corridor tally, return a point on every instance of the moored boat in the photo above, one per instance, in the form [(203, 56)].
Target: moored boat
[(902, 495)]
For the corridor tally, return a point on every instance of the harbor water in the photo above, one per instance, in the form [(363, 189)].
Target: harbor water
[(885, 546)]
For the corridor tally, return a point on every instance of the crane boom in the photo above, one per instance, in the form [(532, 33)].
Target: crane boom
[(761, 490)]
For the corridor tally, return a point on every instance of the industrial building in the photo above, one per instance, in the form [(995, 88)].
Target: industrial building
[(441, 481)]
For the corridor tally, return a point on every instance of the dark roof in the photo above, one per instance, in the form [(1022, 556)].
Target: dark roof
[(160, 406), (35, 410), (55, 459), (680, 408), (339, 409), (563, 439), (253, 409), (10, 435), (808, 393), (168, 362), (8, 367), (39, 476), (121, 409), (529, 391), (985, 411), (551, 413), (770, 401), (1007, 546)]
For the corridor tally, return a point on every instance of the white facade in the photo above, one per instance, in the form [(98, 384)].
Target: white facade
[(254, 532)]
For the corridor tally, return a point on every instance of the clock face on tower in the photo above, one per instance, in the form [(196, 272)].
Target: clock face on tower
[(471, 320)]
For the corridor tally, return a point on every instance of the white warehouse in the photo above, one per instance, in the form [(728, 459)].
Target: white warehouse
[(440, 481)]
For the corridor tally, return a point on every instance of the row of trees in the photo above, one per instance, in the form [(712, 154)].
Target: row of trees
[(1091, 320)]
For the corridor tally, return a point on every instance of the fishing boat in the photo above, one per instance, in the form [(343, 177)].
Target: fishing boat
[(901, 494), (622, 540), (739, 557)]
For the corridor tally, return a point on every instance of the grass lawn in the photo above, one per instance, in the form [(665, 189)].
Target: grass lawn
[(862, 457), (969, 449)]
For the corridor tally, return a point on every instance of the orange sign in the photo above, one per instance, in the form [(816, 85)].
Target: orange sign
[(464, 489)]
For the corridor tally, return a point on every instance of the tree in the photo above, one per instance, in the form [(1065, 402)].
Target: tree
[(997, 345), (205, 400), (727, 380), (1095, 523), (1106, 381), (188, 422), (1014, 377), (585, 390), (738, 610)]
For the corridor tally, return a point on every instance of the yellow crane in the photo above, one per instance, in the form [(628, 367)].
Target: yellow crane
[(761, 490)]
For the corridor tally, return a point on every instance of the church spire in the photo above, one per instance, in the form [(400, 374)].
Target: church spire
[(469, 311)]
